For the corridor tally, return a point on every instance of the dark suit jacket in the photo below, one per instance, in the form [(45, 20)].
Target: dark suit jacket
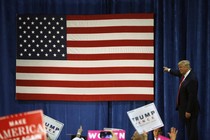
[(188, 101)]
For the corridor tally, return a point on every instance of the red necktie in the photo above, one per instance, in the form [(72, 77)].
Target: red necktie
[(182, 79)]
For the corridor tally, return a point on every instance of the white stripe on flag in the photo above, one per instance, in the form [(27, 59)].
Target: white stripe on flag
[(110, 22), (101, 63), (84, 91), (108, 50), (111, 36), (84, 77)]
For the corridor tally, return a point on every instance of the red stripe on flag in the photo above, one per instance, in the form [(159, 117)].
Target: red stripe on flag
[(110, 43), (110, 16), (90, 30), (110, 56), (84, 84), (57, 97), (63, 70)]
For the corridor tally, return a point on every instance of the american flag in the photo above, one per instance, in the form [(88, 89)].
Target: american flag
[(85, 58)]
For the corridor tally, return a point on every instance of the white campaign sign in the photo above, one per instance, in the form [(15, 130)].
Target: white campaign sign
[(53, 127), (145, 118)]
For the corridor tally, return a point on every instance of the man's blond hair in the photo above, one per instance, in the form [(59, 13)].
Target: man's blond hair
[(185, 63)]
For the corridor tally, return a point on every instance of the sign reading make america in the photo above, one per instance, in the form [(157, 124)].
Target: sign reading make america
[(23, 126), (85, 57)]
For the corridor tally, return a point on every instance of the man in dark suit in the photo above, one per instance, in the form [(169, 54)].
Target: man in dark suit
[(187, 101)]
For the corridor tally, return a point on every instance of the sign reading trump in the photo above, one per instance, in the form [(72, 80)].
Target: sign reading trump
[(53, 127), (23, 126), (145, 118)]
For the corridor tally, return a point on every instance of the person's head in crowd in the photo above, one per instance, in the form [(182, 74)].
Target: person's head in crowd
[(114, 137), (157, 132), (137, 136)]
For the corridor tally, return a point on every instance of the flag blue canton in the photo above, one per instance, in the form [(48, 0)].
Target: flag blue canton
[(41, 37)]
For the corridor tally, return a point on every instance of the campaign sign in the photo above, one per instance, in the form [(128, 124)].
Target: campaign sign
[(95, 134), (23, 126), (53, 127), (160, 137), (145, 118)]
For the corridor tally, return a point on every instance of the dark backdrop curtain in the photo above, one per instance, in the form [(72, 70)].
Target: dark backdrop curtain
[(182, 31)]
